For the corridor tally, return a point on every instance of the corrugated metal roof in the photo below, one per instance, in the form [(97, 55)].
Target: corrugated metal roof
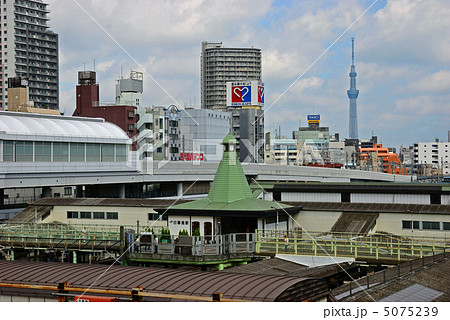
[(157, 203), (40, 207), (282, 267), (371, 187), (372, 207), (355, 222), (233, 286), (414, 293), (30, 214)]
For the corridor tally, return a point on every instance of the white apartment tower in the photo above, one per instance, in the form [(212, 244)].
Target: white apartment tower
[(29, 49), (435, 154), (219, 65)]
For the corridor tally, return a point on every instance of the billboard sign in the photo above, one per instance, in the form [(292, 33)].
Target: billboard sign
[(245, 93), (241, 94), (313, 118), (261, 94), (191, 156)]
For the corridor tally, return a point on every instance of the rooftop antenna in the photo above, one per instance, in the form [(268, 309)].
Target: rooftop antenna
[(94, 64), (84, 65), (121, 72)]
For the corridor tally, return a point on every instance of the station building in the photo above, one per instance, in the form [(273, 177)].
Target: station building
[(37, 144)]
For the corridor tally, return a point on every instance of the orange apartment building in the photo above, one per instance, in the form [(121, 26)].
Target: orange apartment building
[(380, 159)]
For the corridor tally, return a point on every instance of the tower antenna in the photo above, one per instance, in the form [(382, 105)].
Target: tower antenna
[(353, 51), (353, 95)]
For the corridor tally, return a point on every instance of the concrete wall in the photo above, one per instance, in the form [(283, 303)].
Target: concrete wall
[(175, 227), (127, 216), (392, 223), (445, 199), (321, 221), (311, 196), (390, 198)]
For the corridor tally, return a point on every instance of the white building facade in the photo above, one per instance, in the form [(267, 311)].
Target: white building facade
[(436, 154), (201, 132)]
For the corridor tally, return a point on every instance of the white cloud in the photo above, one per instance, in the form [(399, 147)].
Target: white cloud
[(435, 82), (401, 55), (424, 105), (104, 66)]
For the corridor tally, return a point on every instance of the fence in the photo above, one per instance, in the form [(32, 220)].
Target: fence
[(80, 237), (362, 246), (358, 286)]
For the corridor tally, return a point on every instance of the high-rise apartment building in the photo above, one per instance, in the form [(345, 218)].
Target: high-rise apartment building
[(219, 65), (29, 50)]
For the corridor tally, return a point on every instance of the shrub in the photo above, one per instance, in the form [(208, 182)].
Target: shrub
[(197, 233)]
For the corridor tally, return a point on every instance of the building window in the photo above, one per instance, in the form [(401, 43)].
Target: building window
[(93, 152), (43, 151), (121, 153), (107, 152), (112, 215), (60, 151), (24, 151), (8, 150), (67, 191), (430, 225), (446, 226), (72, 215), (131, 127), (99, 215), (77, 151), (85, 215), (131, 114), (406, 224)]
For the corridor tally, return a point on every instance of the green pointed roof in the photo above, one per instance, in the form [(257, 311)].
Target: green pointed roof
[(229, 139), (230, 190), (230, 183)]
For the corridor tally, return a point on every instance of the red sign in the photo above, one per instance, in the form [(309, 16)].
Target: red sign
[(190, 156), (85, 298)]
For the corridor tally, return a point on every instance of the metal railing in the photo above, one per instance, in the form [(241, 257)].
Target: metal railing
[(383, 247), (80, 237), (368, 246), (197, 246), (351, 288)]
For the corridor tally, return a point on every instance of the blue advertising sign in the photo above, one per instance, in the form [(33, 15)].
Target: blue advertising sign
[(314, 118)]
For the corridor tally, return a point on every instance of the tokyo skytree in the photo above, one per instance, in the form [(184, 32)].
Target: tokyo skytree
[(353, 95)]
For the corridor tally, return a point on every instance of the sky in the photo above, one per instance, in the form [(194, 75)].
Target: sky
[(402, 57)]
